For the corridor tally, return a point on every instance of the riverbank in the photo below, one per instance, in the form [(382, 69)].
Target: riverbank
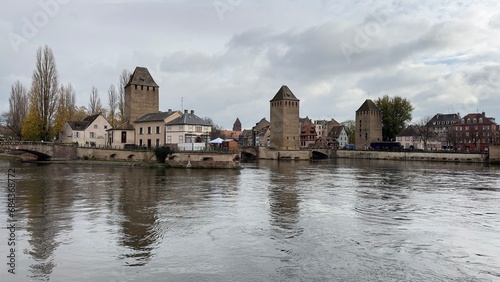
[(415, 156)]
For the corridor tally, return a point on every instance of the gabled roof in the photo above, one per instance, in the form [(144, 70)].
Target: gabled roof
[(443, 119), (335, 131), (83, 124), (124, 126), (189, 118), (368, 105), (159, 116), (284, 94), (141, 76), (409, 131)]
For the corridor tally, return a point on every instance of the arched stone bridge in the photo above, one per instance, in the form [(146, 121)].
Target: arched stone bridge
[(44, 151), (250, 152)]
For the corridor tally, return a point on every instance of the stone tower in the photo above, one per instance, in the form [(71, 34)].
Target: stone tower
[(141, 95), (285, 127), (368, 125), (237, 125)]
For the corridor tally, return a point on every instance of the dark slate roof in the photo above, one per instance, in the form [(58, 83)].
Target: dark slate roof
[(159, 116), (141, 76), (83, 124), (409, 131), (368, 105), (189, 118), (284, 94), (124, 126), (335, 131), (443, 118)]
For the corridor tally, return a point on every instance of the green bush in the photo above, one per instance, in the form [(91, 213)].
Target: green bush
[(161, 153)]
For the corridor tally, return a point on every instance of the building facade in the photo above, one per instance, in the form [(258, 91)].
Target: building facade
[(441, 125), (121, 135), (368, 125), (308, 133), (141, 95), (285, 126), (188, 132), (474, 133), (91, 131), (150, 128)]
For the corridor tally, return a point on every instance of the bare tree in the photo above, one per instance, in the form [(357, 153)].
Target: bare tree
[(18, 109), (124, 79), (43, 97), (66, 107), (216, 129), (113, 103), (350, 128), (95, 105), (425, 131)]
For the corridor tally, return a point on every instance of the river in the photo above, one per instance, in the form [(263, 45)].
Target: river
[(338, 220)]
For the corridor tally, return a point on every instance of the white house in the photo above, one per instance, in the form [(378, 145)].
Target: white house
[(188, 132), (120, 135), (91, 131)]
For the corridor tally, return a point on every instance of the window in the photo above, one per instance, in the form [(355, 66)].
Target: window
[(198, 128), (140, 142), (135, 86), (157, 130), (157, 143), (124, 136), (181, 139), (475, 120), (169, 139), (95, 126), (189, 139), (141, 130), (77, 134), (169, 128), (466, 128), (190, 128), (142, 87), (149, 129), (105, 127), (407, 138), (481, 120), (181, 127), (92, 134)]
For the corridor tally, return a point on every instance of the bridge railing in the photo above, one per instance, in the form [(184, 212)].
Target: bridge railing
[(37, 143)]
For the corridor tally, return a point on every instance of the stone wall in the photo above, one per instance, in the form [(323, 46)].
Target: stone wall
[(267, 154), (413, 156), (495, 154), (119, 155)]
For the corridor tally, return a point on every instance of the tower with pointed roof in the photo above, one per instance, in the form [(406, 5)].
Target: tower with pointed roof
[(237, 125), (285, 126), (368, 125), (141, 95)]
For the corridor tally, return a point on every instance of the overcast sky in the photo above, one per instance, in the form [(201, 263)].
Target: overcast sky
[(227, 58)]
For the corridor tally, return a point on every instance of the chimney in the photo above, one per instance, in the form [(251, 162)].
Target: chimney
[(185, 111), (192, 112), (169, 110)]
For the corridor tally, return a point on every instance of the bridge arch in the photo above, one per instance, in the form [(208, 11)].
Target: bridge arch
[(317, 155), (39, 155)]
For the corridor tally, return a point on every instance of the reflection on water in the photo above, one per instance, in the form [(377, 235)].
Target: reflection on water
[(347, 220)]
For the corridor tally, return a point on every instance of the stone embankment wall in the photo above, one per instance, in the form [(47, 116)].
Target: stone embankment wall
[(204, 160), (413, 156), (118, 155), (495, 154), (266, 154)]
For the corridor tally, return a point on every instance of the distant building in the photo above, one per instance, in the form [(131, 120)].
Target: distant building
[(150, 128), (188, 132), (91, 131), (120, 135), (411, 138), (141, 95), (308, 134), (474, 133), (237, 125), (285, 127), (368, 125), (339, 135), (441, 125)]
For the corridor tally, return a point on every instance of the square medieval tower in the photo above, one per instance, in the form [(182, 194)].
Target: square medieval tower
[(285, 127), (368, 125), (141, 95)]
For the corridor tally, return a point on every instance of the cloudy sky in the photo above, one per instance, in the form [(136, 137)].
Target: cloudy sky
[(227, 58)]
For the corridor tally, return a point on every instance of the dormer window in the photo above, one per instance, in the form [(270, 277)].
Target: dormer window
[(468, 120), (480, 120), (475, 120)]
